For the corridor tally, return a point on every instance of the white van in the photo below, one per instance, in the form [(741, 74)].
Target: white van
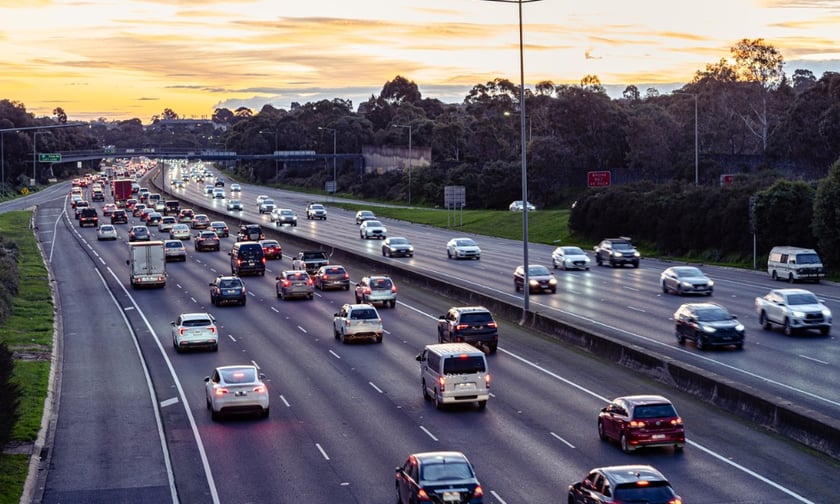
[(454, 373), (794, 263)]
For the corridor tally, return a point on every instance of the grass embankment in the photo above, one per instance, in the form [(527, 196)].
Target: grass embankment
[(28, 333)]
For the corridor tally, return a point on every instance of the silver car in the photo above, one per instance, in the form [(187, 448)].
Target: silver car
[(376, 289), (463, 248), (294, 283), (106, 232), (685, 280), (372, 229), (570, 258), (282, 216)]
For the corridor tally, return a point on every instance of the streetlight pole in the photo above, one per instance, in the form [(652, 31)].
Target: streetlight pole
[(335, 180), (696, 138), (276, 148), (409, 157), (523, 153)]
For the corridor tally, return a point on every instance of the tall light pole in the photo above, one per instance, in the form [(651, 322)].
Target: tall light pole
[(34, 154), (276, 148), (696, 139), (526, 290), (409, 156), (335, 180)]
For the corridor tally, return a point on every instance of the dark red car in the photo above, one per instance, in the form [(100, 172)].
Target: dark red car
[(272, 249), (641, 420)]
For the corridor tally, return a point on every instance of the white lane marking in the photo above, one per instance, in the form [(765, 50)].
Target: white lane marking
[(501, 501), (428, 433), (570, 445), (303, 330), (275, 310), (285, 401), (169, 402), (335, 355), (255, 364), (375, 387), (637, 309), (231, 338), (323, 453), (813, 359)]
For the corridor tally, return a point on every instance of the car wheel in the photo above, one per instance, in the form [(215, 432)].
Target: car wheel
[(440, 337), (700, 342), (426, 395), (679, 290), (790, 278), (358, 300), (335, 333), (739, 346), (680, 337), (214, 415), (244, 300), (265, 412), (482, 404), (343, 338), (438, 400), (448, 254), (515, 286), (215, 347), (347, 287), (762, 319), (635, 264), (493, 349), (383, 252), (664, 288), (775, 276), (788, 329), (625, 445), (379, 338), (601, 433), (279, 295), (393, 304), (598, 261)]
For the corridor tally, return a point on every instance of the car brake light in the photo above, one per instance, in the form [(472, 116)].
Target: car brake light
[(642, 483), (310, 282), (423, 496), (394, 289), (461, 327), (366, 291), (286, 283), (220, 391), (491, 324), (181, 330), (259, 389), (478, 493), (442, 383), (346, 276), (487, 380), (636, 424), (676, 421)]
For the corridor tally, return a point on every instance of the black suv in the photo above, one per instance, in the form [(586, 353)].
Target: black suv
[(250, 232), (227, 289), (247, 257), (617, 252), (627, 483), (469, 324), (119, 217), (88, 216)]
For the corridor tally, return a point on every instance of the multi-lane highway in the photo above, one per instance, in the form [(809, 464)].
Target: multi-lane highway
[(343, 416)]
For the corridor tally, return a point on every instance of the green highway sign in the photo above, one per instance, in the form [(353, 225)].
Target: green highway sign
[(49, 158)]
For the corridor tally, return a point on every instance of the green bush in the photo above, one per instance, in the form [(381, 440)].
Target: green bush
[(9, 395)]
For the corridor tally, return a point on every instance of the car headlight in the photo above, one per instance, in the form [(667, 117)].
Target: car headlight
[(740, 327), (798, 314), (553, 281), (711, 283), (636, 254), (826, 313), (708, 329), (411, 249), (685, 284), (618, 254)]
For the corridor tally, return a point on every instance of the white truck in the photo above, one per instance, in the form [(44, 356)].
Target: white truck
[(147, 264), (793, 310)]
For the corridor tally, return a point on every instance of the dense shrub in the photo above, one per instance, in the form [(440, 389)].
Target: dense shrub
[(9, 395)]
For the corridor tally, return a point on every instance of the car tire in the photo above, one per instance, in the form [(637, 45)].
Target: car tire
[(335, 333), (437, 400), (265, 412), (765, 323), (790, 278), (636, 264), (215, 416), (343, 338), (215, 347), (739, 346), (680, 338), (787, 328), (383, 252), (493, 349), (448, 254), (825, 331), (393, 304), (664, 288), (598, 261), (358, 300), (679, 290), (774, 276), (378, 339), (601, 434), (515, 287), (625, 445), (347, 287), (482, 404), (244, 300), (700, 342), (426, 395)]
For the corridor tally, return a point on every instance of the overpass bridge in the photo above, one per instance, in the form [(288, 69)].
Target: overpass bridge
[(302, 156)]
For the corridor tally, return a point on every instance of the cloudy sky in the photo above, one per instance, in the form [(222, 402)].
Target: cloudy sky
[(121, 59)]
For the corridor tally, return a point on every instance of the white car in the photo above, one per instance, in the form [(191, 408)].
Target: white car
[(372, 229), (236, 389), (570, 258), (282, 216), (166, 223), (462, 248), (235, 188), (517, 206), (266, 206), (234, 204), (106, 232), (180, 231), (192, 330), (218, 193)]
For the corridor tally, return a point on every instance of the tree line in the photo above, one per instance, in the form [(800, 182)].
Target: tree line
[(739, 116)]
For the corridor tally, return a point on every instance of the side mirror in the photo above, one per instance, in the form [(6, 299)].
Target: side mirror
[(211, 284), (277, 278), (335, 314), (419, 358), (207, 378), (127, 261)]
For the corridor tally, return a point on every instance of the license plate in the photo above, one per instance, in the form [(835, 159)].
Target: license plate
[(658, 436), (451, 497), (465, 386), (241, 393)]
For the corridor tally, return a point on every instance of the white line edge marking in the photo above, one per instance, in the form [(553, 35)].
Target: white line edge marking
[(570, 445), (169, 402), (375, 387), (282, 398), (813, 359), (428, 433), (335, 355), (323, 453)]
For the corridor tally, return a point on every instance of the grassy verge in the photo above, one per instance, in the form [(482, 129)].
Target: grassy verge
[(28, 333)]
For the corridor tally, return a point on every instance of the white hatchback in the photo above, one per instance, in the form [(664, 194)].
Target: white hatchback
[(236, 389)]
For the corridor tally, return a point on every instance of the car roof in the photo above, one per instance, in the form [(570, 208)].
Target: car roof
[(631, 473), (444, 456), (470, 309), (195, 316), (640, 400), (788, 292)]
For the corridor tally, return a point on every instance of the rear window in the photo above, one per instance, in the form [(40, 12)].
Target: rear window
[(476, 318), (239, 376), (174, 245), (363, 314), (196, 323), (229, 284), (463, 365), (297, 276), (654, 411), (251, 250), (654, 491), (381, 283), (333, 270)]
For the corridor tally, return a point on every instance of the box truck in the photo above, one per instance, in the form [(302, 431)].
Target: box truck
[(147, 264)]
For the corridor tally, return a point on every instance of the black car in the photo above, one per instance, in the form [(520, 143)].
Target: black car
[(227, 289), (119, 217), (250, 232), (88, 217), (617, 252), (627, 483), (397, 246), (443, 476), (708, 324), (469, 324)]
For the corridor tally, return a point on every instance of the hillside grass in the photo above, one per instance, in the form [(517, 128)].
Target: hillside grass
[(28, 332)]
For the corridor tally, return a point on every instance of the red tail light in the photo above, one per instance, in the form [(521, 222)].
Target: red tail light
[(478, 493), (310, 282), (677, 421), (259, 389), (442, 383), (423, 496), (636, 424), (220, 391), (394, 289), (286, 283), (487, 380), (491, 324), (461, 327)]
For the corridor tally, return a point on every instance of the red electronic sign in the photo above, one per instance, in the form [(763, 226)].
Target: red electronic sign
[(598, 178)]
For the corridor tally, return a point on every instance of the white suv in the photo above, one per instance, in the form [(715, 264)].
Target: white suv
[(195, 330), (454, 373), (357, 321)]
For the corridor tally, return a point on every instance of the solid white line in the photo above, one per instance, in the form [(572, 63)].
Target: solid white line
[(327, 457), (813, 359), (275, 310), (285, 401), (375, 387), (428, 433), (570, 445), (303, 330), (256, 365), (335, 355), (231, 338), (636, 309), (501, 501)]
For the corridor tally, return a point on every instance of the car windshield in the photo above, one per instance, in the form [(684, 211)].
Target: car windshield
[(538, 270), (449, 471), (713, 315), (466, 242), (622, 246), (802, 299), (572, 251), (463, 364), (654, 411), (688, 272), (317, 207), (398, 241), (242, 375), (372, 223), (808, 259)]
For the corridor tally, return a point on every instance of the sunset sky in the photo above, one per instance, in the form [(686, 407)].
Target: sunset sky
[(132, 58)]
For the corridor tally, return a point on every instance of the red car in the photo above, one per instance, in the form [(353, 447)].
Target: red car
[(641, 420), (272, 249)]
